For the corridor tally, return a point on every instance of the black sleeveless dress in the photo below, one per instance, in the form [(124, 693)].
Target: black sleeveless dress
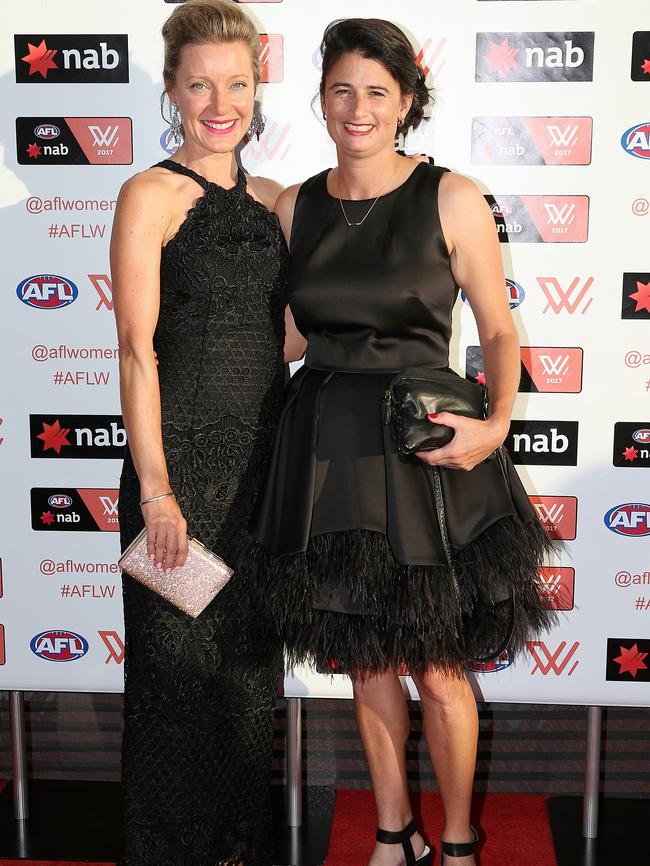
[(350, 551), (199, 694)]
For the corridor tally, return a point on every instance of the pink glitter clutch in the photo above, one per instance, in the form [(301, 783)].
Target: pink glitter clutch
[(191, 587)]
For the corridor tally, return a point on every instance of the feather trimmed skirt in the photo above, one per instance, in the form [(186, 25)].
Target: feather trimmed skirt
[(348, 558)]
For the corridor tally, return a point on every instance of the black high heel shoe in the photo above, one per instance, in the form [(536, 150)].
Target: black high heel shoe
[(403, 838), (458, 849)]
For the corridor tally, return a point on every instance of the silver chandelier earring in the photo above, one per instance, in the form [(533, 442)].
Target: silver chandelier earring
[(175, 124), (257, 125)]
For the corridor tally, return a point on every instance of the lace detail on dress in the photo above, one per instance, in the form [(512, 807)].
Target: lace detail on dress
[(199, 694)]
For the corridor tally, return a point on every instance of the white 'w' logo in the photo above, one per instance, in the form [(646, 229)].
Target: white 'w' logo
[(107, 137), (557, 367), (110, 505), (550, 513), (550, 585), (563, 215), (566, 137)]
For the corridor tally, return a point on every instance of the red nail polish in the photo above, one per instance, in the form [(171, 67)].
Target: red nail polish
[(432, 415)]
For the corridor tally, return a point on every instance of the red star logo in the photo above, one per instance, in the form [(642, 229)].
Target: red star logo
[(40, 58), (34, 151), (54, 436), (641, 296), (630, 454), (646, 67), (631, 660), (480, 378), (47, 518), (502, 58)]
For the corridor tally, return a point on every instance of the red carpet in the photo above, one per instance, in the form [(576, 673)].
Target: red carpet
[(515, 827)]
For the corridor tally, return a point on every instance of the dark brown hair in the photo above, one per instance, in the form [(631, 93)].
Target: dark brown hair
[(384, 42)]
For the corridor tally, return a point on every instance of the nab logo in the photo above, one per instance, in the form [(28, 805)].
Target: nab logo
[(636, 296), (631, 444), (553, 661), (47, 292), (59, 646), (636, 140), (534, 56), (549, 443), (558, 515), (627, 660), (571, 298), (82, 59), (640, 70), (77, 436), (631, 519), (556, 587)]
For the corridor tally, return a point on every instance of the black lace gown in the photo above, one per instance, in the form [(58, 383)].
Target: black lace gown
[(199, 694)]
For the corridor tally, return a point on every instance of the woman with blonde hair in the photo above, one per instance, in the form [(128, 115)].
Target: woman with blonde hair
[(199, 272)]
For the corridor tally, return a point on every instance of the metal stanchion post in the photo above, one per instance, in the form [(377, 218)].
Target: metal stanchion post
[(294, 762), (592, 773), (18, 755)]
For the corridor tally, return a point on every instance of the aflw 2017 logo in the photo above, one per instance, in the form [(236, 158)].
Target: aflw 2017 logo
[(78, 59), (540, 218), (271, 58), (556, 587), (558, 515), (74, 140), (531, 140), (544, 369), (564, 56)]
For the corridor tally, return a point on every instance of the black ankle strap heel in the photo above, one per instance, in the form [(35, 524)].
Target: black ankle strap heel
[(403, 838), (458, 849)]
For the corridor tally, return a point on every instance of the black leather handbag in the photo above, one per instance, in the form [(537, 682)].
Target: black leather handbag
[(415, 392), (410, 396)]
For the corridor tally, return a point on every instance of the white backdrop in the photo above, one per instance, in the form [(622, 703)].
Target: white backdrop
[(522, 86)]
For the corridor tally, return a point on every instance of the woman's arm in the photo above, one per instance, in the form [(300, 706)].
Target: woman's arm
[(476, 264), (294, 342), (141, 220)]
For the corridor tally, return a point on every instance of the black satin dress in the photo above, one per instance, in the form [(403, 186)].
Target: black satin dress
[(199, 693), (350, 551)]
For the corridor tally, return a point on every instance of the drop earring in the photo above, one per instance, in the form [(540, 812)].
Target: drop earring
[(175, 124), (257, 125)]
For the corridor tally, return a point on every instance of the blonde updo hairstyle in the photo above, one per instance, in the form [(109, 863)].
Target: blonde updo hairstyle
[(200, 22)]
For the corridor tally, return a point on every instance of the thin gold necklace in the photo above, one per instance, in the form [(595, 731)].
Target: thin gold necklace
[(367, 214)]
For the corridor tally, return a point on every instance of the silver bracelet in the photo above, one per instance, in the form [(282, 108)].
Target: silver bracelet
[(156, 498)]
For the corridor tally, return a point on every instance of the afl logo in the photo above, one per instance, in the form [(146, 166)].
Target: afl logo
[(631, 519), (642, 436), (636, 140), (47, 292), (59, 646), (516, 293), (47, 131), (167, 142), (493, 666), (60, 500)]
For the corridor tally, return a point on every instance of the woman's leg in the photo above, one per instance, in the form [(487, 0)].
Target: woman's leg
[(383, 723), (451, 731)]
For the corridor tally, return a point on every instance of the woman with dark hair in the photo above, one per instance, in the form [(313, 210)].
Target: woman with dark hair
[(351, 552), (199, 277)]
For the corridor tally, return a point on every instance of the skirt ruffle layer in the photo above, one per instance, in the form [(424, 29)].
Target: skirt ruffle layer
[(413, 616)]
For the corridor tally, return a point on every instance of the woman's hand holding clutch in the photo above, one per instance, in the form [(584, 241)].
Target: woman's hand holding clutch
[(166, 532), (473, 441)]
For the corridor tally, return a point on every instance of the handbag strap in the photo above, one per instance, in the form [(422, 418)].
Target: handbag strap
[(439, 505)]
